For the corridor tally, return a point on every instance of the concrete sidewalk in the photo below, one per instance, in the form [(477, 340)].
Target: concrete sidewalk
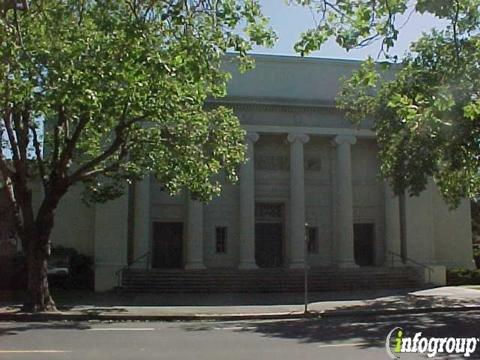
[(115, 307)]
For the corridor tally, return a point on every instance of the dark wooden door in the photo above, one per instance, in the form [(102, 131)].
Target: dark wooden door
[(167, 245), (364, 241), (268, 245)]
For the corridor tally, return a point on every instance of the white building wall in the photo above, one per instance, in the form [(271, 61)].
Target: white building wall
[(222, 211), (420, 227), (110, 241), (319, 197), (368, 193), (74, 223), (452, 233)]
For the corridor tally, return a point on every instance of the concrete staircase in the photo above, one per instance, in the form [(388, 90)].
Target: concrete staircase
[(267, 280)]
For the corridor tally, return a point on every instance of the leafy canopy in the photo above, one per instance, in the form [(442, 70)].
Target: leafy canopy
[(427, 118), (120, 86)]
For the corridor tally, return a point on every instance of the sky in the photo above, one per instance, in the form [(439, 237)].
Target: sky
[(290, 21)]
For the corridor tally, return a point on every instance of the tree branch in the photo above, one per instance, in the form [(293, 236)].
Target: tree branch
[(7, 120), (67, 152), (455, 32), (95, 172), (38, 155), (13, 205), (62, 118), (22, 140), (4, 169), (111, 150)]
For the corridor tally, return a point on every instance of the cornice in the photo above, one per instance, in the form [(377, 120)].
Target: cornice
[(273, 104)]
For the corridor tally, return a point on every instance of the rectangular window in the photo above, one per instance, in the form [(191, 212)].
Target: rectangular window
[(312, 240), (221, 239)]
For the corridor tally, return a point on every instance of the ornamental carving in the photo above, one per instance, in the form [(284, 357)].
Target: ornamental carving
[(313, 163), (268, 212), (281, 163), (272, 162)]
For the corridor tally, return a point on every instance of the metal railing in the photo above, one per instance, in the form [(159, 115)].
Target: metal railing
[(414, 262), (120, 272)]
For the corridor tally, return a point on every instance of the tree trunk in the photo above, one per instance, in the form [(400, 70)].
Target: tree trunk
[(38, 293)]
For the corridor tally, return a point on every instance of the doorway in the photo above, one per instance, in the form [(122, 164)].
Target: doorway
[(268, 245), (269, 235), (167, 245), (364, 244)]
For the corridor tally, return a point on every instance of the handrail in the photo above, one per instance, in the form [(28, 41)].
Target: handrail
[(407, 259), (119, 272)]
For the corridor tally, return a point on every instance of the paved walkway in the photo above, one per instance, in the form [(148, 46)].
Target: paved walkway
[(90, 306)]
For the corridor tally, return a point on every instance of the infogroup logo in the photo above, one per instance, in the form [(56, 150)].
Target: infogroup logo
[(397, 343)]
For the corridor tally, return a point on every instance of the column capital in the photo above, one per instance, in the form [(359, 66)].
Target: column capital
[(345, 139), (294, 137), (252, 136)]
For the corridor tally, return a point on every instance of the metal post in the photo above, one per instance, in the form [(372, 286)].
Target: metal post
[(305, 270)]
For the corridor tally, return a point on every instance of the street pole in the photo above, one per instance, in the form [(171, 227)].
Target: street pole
[(305, 270)]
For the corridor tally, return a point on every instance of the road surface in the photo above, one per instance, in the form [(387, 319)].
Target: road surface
[(336, 338)]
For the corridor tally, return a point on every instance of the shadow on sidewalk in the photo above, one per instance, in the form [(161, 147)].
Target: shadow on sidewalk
[(364, 332), (70, 298), (408, 302), (23, 327)]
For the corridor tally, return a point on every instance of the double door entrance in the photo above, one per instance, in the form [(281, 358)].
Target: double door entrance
[(167, 245), (364, 244)]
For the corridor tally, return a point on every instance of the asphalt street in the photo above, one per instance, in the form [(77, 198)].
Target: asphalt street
[(335, 338)]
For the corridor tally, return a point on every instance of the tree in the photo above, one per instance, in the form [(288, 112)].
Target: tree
[(427, 118), (475, 204), (119, 88)]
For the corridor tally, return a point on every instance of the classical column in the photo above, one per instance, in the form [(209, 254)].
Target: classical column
[(247, 206), (344, 221), (297, 200), (194, 259), (392, 227)]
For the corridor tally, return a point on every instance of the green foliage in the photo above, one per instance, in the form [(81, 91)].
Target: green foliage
[(475, 206), (426, 111), (351, 23), (457, 277), (426, 118), (80, 269), (121, 86)]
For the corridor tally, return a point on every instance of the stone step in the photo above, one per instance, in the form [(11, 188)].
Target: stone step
[(266, 280)]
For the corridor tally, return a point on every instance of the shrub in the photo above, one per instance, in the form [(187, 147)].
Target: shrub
[(81, 274), (476, 257), (463, 277)]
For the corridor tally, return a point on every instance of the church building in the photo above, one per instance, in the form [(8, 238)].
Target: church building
[(309, 192)]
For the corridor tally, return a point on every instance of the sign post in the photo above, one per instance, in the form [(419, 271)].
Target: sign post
[(305, 270)]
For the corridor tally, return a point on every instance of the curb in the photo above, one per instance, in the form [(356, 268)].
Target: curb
[(43, 317), (359, 313)]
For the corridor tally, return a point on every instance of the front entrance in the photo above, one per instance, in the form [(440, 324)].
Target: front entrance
[(167, 245), (268, 245), (364, 244), (269, 235)]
